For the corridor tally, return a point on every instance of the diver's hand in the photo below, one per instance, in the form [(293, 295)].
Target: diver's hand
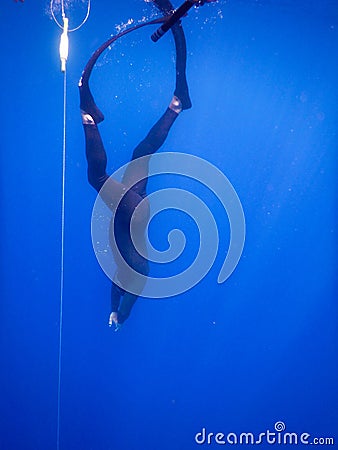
[(113, 319)]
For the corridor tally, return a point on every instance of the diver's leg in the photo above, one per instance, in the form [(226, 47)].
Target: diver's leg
[(87, 103), (136, 174), (95, 154), (159, 132)]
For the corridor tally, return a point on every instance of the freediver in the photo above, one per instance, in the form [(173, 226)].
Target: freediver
[(122, 301)]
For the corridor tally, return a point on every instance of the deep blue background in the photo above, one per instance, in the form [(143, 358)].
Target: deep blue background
[(234, 357)]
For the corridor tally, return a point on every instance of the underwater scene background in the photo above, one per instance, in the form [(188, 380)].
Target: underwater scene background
[(236, 357)]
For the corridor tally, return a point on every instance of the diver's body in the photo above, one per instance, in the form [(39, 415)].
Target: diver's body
[(122, 301)]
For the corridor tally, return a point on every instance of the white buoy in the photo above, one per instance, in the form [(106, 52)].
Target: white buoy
[(64, 45)]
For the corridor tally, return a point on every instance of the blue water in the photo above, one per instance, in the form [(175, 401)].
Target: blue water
[(236, 357)]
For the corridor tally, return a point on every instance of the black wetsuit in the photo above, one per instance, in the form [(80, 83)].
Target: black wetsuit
[(121, 300), (97, 176)]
